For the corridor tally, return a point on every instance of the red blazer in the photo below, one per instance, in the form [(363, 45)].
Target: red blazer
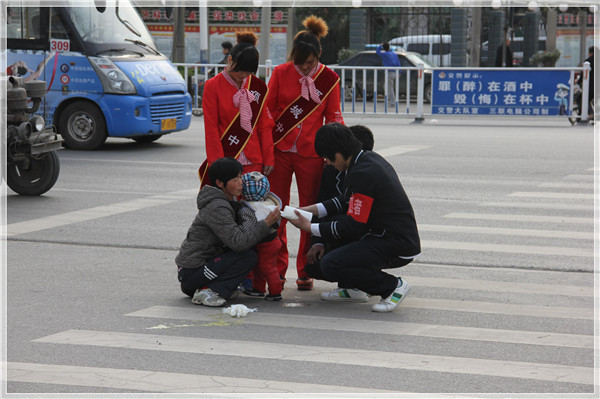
[(284, 88), (219, 112)]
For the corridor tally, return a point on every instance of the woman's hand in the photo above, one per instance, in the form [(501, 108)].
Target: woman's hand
[(267, 169)]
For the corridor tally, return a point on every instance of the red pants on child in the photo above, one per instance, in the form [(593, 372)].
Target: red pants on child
[(266, 271)]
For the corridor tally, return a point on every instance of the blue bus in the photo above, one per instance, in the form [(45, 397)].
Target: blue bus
[(104, 76)]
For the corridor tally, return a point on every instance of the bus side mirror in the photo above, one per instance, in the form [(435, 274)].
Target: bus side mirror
[(100, 5)]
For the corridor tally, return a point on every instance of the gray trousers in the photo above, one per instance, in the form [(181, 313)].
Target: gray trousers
[(391, 99)]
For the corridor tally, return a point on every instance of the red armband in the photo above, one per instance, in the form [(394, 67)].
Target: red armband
[(360, 207)]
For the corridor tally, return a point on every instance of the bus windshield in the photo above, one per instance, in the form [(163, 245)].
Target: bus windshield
[(117, 24)]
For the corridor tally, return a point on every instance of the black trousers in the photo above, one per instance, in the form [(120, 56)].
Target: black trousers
[(222, 274), (359, 265)]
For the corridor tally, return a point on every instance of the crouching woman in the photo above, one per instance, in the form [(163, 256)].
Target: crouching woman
[(217, 253)]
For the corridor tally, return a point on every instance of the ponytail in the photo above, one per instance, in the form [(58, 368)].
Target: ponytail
[(308, 42)]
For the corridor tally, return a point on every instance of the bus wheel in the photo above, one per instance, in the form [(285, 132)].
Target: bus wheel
[(147, 139), (82, 126)]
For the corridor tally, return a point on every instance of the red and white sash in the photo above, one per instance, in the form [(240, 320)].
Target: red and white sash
[(236, 136), (300, 109)]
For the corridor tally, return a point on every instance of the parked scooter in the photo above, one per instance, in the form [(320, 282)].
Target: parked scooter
[(32, 165)]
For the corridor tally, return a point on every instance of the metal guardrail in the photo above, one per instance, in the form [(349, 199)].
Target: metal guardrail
[(357, 86), (196, 75)]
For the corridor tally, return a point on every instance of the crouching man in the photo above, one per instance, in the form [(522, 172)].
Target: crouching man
[(378, 222)]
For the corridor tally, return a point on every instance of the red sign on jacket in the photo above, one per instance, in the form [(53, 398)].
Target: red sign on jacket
[(360, 207)]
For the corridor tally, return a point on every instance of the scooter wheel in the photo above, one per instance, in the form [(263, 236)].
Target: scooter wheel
[(33, 176)]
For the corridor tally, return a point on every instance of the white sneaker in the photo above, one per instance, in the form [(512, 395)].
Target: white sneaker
[(207, 297), (390, 303), (345, 295)]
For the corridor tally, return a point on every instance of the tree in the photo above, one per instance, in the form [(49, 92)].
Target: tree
[(337, 20)]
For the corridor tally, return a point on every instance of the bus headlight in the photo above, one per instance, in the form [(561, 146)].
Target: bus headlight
[(113, 79)]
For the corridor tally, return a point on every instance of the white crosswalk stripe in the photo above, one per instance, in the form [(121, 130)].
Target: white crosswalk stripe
[(320, 354), (537, 205), (520, 218), (517, 249), (421, 330), (589, 186), (152, 381), (97, 212), (538, 194), (507, 232)]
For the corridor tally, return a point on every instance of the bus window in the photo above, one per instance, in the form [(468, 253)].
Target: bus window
[(114, 25), (57, 29), (23, 23)]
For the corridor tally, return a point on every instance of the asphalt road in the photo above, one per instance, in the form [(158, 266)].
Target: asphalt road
[(502, 297)]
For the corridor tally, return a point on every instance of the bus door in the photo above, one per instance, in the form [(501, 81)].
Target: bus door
[(27, 42)]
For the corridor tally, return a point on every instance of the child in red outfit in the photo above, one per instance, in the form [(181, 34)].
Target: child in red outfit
[(303, 95), (261, 202)]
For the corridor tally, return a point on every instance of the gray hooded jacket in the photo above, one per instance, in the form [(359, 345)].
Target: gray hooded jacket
[(215, 230)]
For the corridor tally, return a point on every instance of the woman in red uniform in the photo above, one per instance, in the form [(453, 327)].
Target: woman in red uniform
[(303, 95), (237, 122)]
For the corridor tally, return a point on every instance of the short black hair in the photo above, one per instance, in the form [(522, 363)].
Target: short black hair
[(591, 49), (244, 57), (227, 45), (386, 46), (335, 137), (224, 169), (364, 135)]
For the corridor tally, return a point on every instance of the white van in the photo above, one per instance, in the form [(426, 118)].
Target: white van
[(435, 48)]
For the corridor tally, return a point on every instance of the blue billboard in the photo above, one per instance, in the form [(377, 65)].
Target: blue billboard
[(501, 92)]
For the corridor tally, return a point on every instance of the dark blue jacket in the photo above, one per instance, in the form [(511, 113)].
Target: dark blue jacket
[(374, 204)]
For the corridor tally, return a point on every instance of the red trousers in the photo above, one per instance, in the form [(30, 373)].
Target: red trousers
[(266, 271), (308, 177)]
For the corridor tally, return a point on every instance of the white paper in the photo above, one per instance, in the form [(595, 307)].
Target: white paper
[(261, 209), (238, 310), (288, 213)]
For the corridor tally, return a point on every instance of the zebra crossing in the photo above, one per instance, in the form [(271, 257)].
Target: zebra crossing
[(462, 329), (540, 331)]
